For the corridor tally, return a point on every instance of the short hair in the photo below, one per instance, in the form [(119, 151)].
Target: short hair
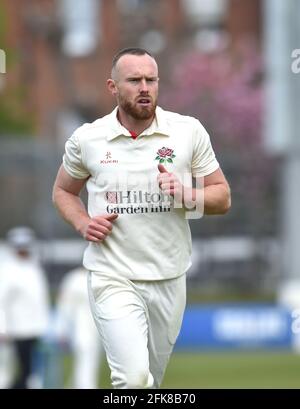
[(130, 51)]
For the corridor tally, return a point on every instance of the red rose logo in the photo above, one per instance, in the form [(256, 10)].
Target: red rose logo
[(165, 155)]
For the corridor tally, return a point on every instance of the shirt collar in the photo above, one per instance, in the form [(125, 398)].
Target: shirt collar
[(158, 126)]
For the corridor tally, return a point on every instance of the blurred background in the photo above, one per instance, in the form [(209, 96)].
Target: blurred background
[(234, 65)]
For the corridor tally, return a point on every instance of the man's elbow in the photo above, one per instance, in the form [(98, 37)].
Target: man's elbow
[(226, 205)]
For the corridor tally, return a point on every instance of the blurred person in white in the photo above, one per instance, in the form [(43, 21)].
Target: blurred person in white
[(24, 304), (75, 327)]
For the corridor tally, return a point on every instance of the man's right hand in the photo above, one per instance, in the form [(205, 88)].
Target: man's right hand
[(97, 228)]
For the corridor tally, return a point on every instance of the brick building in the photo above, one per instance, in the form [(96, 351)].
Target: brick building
[(59, 53)]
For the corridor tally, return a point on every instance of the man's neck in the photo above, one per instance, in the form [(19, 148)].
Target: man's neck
[(134, 125)]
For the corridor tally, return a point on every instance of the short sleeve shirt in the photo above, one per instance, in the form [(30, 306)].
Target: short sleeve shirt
[(151, 238)]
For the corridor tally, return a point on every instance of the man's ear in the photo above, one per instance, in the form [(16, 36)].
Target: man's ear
[(111, 85)]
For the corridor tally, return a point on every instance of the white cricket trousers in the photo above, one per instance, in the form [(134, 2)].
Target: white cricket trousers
[(138, 322)]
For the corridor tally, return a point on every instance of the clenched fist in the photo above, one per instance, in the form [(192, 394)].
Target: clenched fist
[(169, 183), (97, 228)]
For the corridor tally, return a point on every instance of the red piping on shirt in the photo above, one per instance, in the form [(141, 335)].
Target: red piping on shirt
[(133, 134)]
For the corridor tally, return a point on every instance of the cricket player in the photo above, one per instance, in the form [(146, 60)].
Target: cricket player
[(24, 301), (76, 327), (138, 164)]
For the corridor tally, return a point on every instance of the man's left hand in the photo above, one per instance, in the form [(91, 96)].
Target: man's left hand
[(169, 183)]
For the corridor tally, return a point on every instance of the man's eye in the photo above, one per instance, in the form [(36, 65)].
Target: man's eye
[(133, 80)]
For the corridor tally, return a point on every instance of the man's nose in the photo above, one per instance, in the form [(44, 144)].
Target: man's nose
[(144, 86)]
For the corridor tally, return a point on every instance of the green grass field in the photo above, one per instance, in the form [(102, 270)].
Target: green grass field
[(262, 369)]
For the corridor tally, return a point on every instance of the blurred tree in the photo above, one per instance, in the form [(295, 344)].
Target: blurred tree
[(14, 119), (224, 90)]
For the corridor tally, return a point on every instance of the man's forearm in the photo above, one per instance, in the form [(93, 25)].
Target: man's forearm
[(71, 208), (214, 199)]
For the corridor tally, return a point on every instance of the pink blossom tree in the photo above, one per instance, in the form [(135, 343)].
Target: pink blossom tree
[(224, 91)]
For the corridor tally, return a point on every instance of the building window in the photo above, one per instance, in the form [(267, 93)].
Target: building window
[(206, 12), (80, 22)]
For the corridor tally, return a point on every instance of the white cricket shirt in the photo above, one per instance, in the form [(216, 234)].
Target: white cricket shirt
[(23, 298), (151, 238)]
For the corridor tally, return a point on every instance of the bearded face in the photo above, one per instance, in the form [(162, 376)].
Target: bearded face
[(135, 86), (140, 107)]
